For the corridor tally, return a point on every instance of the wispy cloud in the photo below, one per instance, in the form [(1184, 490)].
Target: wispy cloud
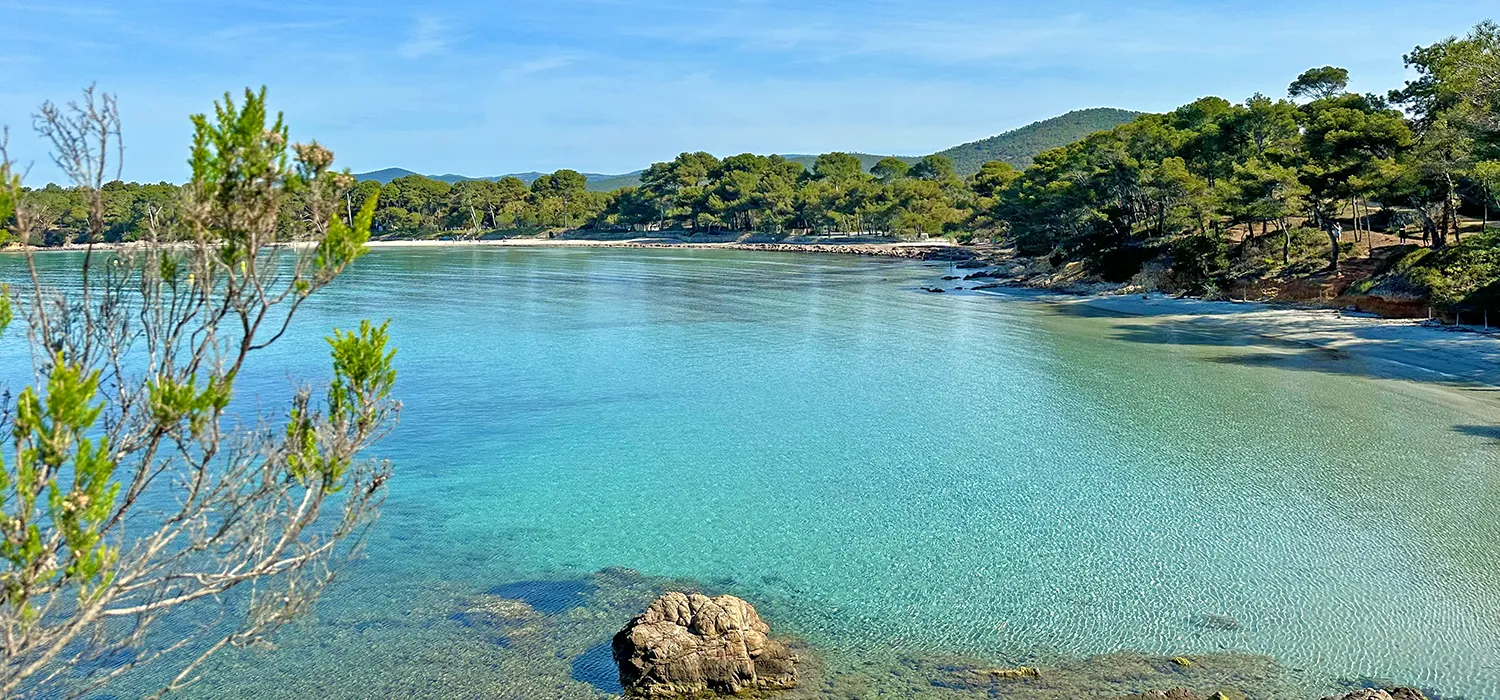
[(268, 30), (58, 8), (428, 36), (539, 65)]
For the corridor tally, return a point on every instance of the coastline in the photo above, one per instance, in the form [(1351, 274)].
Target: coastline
[(923, 250), (1456, 358), (937, 249)]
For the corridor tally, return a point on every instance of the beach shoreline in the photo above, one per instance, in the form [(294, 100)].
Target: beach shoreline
[(935, 249), (1451, 357), (1458, 357), (920, 250)]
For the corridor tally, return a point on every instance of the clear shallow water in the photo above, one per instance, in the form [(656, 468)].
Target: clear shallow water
[(883, 468)]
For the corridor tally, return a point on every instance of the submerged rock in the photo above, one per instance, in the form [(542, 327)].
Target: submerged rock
[(1183, 694), (1381, 694), (687, 644), (983, 679), (1173, 694), (1216, 623)]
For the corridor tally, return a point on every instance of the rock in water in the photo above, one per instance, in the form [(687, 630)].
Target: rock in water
[(687, 644), (1378, 694)]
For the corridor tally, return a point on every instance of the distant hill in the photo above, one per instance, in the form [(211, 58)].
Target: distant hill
[(866, 160), (611, 183), (386, 175), (1016, 147), (1019, 146), (614, 182), (383, 176)]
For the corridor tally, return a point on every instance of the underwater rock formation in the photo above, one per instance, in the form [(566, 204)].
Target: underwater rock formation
[(1370, 694), (687, 644), (1379, 694)]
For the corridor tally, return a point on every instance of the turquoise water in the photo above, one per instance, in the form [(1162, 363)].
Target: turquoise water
[(881, 468)]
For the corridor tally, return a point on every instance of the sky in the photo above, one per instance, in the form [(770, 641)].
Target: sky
[(609, 86)]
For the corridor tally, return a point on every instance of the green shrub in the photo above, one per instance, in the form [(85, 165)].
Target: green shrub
[(1463, 274), (1198, 262)]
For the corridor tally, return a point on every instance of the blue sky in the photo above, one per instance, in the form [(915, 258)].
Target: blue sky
[(483, 88)]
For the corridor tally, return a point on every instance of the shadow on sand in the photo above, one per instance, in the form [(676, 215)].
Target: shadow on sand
[(1377, 351)]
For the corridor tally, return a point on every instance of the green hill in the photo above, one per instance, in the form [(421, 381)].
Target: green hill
[(1016, 147), (614, 182), (384, 176), (866, 160), (1019, 146), (610, 183)]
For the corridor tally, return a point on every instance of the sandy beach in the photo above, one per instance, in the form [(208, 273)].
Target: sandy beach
[(1460, 358), (933, 248), (926, 249)]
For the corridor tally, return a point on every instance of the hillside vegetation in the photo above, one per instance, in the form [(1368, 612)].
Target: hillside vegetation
[(1020, 146)]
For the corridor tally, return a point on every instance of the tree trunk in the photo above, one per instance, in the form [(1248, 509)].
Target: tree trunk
[(1354, 216), (1450, 219), (1333, 256), (1286, 243), (1440, 232), (1450, 222)]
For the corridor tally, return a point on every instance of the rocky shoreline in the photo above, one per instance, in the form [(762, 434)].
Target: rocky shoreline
[(556, 637), (689, 645)]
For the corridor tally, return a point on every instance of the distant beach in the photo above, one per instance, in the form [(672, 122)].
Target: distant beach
[(934, 248)]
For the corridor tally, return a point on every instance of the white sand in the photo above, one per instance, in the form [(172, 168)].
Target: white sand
[(1399, 348), (811, 244)]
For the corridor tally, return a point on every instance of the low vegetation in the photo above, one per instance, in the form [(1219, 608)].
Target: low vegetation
[(148, 520)]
